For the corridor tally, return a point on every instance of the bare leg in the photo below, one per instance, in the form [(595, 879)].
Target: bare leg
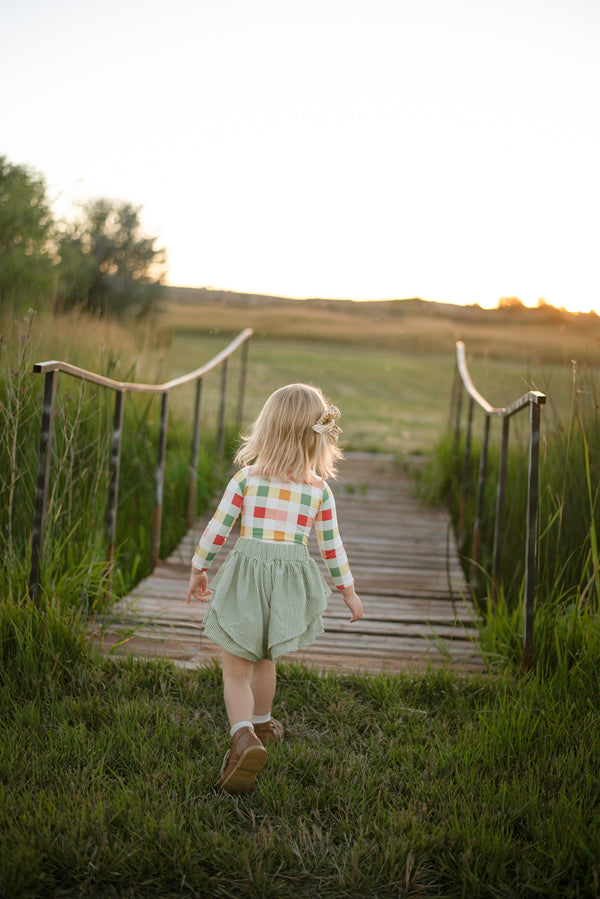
[(263, 686), (247, 754), (237, 690)]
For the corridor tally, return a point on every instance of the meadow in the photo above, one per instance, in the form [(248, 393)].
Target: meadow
[(404, 785), (390, 368), (386, 786), (390, 364)]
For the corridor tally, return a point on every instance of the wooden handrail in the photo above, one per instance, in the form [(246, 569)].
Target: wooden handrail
[(132, 386), (534, 396), (533, 400), (51, 369)]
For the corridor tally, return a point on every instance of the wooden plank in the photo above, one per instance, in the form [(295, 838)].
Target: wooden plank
[(434, 611), (328, 642), (340, 627), (404, 560)]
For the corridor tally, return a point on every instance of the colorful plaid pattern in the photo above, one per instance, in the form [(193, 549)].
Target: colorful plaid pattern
[(277, 510)]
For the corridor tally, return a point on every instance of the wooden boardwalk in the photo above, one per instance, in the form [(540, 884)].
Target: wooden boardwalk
[(405, 564)]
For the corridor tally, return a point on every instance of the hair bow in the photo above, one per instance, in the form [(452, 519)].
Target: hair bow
[(327, 423)]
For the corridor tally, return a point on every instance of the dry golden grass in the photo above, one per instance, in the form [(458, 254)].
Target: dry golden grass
[(101, 345), (389, 364), (531, 336), (536, 336)]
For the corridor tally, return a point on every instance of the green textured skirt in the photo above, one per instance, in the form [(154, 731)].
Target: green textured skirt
[(267, 600)]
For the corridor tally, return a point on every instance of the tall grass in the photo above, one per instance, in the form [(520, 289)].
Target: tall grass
[(567, 575), (74, 571)]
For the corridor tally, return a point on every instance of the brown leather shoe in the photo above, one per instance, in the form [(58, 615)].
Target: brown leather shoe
[(243, 762), (270, 732)]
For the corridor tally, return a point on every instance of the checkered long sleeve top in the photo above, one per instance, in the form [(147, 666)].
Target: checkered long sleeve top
[(275, 510)]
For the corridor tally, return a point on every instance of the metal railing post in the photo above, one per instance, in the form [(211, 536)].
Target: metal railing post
[(51, 368), (454, 393), (160, 480), (41, 486), (457, 422), (242, 388), (531, 536), (115, 469), (499, 522), (481, 482), (464, 486), (191, 511), (221, 428), (534, 399)]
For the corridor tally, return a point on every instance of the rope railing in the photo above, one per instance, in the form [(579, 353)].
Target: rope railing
[(533, 400), (51, 370)]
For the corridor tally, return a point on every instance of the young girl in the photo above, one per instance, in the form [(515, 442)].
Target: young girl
[(269, 595)]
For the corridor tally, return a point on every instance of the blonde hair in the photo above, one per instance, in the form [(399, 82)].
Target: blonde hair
[(282, 442)]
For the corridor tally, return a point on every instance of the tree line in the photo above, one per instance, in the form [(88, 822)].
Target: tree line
[(101, 262)]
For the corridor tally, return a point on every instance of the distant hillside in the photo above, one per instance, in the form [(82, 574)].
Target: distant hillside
[(545, 314), (413, 306), (413, 325)]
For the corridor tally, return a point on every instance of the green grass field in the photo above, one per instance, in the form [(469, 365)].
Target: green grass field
[(389, 368), (391, 401), (386, 786), (386, 404), (428, 785)]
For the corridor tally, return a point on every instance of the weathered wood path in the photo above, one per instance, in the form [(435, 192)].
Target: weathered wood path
[(405, 564)]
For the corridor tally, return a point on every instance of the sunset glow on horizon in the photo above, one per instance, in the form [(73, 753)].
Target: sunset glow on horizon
[(365, 149)]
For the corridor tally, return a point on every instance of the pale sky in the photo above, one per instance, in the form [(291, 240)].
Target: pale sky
[(368, 149)]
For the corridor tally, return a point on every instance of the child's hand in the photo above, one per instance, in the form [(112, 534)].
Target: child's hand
[(353, 602), (198, 588)]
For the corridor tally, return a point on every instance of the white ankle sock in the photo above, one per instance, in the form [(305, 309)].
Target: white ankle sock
[(239, 725), (261, 719)]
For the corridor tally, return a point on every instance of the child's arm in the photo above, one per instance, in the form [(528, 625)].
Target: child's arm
[(218, 528), (353, 601), (330, 542), (198, 588), (334, 554)]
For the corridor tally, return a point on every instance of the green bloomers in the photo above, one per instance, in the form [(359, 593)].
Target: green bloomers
[(268, 599)]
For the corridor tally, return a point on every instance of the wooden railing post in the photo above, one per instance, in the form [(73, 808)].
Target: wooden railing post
[(221, 429), (531, 537), (191, 511), (41, 486), (160, 479)]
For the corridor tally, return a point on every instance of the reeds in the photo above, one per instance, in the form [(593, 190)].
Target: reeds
[(567, 576), (75, 569)]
